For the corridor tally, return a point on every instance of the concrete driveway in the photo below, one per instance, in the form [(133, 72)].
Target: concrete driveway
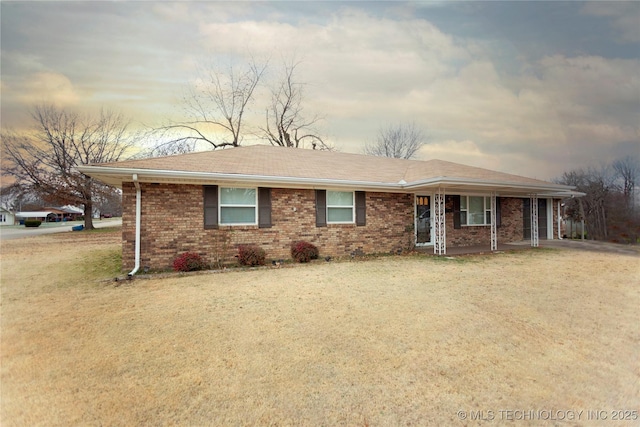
[(20, 231), (593, 246)]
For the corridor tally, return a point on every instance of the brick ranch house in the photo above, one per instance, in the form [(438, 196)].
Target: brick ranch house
[(212, 202)]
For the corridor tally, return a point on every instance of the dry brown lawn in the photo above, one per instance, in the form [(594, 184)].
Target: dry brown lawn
[(391, 341)]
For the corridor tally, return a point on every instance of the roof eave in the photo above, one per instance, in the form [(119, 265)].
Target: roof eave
[(492, 185), (116, 176)]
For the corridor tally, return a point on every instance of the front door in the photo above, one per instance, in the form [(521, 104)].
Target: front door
[(423, 220), (542, 218)]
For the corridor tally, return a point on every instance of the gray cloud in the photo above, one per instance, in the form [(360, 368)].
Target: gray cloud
[(531, 88), (624, 16)]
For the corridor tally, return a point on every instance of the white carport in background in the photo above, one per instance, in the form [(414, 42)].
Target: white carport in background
[(33, 215)]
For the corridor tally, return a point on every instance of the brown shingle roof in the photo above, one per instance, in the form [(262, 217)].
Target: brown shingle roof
[(264, 165), (268, 161)]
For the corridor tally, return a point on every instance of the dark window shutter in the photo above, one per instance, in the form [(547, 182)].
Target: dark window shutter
[(264, 207), (361, 208), (456, 212), (210, 206), (498, 212), (321, 208)]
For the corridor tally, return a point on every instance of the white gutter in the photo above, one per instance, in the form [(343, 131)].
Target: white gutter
[(138, 209), (153, 175), (471, 182)]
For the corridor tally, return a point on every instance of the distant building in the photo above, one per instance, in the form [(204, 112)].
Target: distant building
[(7, 217), (33, 215), (52, 214), (64, 213)]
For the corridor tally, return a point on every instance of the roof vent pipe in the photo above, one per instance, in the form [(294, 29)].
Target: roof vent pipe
[(138, 208)]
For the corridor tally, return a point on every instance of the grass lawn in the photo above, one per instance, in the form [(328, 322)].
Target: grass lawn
[(393, 341)]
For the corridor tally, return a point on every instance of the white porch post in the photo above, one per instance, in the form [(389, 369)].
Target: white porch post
[(494, 228), (559, 221), (440, 244), (534, 220)]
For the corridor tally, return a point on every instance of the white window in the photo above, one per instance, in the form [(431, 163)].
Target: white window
[(238, 206), (475, 210), (2, 218), (340, 208)]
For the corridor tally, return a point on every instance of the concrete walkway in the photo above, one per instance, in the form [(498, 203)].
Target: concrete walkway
[(582, 245), (476, 249), (593, 246)]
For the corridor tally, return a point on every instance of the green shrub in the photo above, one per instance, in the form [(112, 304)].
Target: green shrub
[(189, 261), (251, 255), (304, 251), (32, 223)]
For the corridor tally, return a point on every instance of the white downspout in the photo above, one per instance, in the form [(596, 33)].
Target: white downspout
[(138, 208), (559, 221)]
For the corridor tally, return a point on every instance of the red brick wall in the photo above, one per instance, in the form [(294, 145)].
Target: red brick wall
[(172, 223), (509, 231)]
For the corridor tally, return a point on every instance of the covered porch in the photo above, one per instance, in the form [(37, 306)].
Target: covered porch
[(451, 209)]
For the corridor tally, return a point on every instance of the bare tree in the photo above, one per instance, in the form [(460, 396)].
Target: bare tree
[(286, 124), (109, 202), (624, 220), (628, 170), (400, 141), (164, 148), (216, 105), (14, 198), (605, 208), (43, 162), (598, 186)]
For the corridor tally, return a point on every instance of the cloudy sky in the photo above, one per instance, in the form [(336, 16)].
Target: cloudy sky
[(532, 88)]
